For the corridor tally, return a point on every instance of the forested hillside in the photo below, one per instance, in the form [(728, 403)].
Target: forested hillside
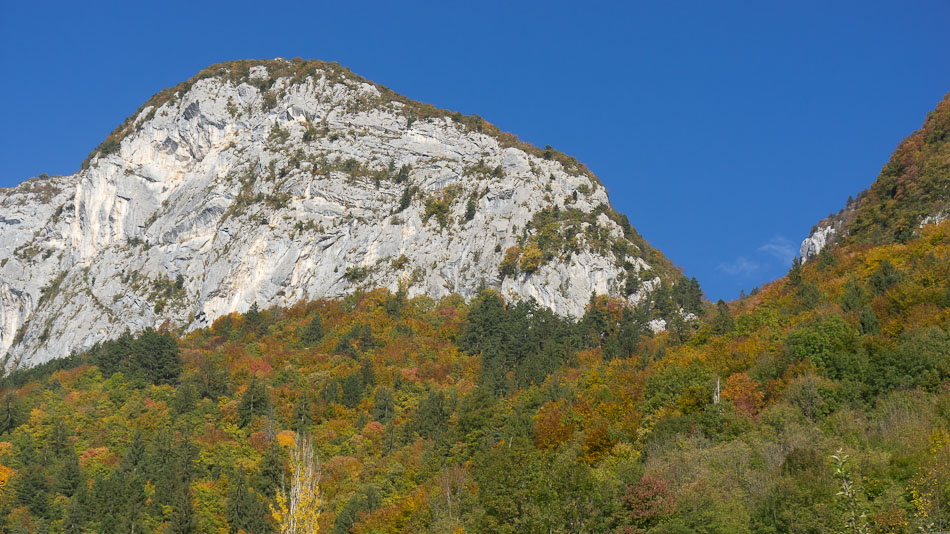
[(819, 404), (912, 189)]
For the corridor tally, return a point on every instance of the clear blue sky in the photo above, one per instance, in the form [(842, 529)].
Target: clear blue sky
[(724, 130)]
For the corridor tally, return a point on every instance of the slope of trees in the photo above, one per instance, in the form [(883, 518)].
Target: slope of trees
[(491, 416)]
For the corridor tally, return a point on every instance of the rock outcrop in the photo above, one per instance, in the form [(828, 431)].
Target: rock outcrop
[(273, 182), (816, 241)]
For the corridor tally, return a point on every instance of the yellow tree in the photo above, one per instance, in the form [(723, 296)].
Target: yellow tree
[(298, 507)]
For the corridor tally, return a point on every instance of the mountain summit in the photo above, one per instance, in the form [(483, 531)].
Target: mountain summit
[(270, 182)]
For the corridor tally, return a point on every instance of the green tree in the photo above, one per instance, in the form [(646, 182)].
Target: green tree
[(795, 273), (313, 333), (723, 322), (246, 510), (157, 358), (885, 276), (868, 321), (383, 405), (254, 402)]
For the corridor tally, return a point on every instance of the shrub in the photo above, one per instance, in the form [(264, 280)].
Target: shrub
[(531, 258), (509, 265), (356, 274), (109, 146)]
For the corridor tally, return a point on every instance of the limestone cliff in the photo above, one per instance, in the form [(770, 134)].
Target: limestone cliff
[(270, 182)]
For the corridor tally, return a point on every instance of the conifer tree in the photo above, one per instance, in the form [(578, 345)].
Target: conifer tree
[(182, 520), (271, 469), (795, 273), (314, 330), (301, 417), (246, 511), (253, 403), (723, 322)]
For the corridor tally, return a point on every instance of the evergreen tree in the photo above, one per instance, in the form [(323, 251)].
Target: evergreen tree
[(271, 469), (186, 397), (723, 323), (383, 405), (11, 413), (114, 356), (246, 511), (254, 402), (795, 273), (301, 416), (156, 357), (314, 331), (853, 297), (33, 489), (254, 321), (78, 511), (868, 321), (885, 276), (351, 390), (134, 458), (367, 374), (132, 478), (211, 379), (70, 477), (362, 502), (182, 520)]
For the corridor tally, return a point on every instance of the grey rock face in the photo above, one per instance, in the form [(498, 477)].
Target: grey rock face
[(227, 195), (818, 240)]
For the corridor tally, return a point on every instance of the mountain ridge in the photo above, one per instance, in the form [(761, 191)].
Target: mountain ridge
[(912, 190)]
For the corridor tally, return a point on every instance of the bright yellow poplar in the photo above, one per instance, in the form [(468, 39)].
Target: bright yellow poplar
[(298, 508)]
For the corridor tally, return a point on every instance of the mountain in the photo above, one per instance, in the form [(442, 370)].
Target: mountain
[(274, 182), (913, 190), (819, 404)]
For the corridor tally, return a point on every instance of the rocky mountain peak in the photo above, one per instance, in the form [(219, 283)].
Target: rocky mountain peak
[(271, 182)]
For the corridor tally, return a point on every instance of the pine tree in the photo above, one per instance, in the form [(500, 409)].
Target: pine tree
[(723, 323), (868, 321), (253, 403), (11, 413), (77, 512), (314, 330), (254, 321), (795, 273), (271, 469), (884, 277), (367, 374), (70, 477), (182, 520), (157, 358), (301, 417), (186, 397), (383, 405), (246, 511)]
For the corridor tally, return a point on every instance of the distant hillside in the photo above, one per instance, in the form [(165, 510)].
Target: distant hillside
[(912, 190)]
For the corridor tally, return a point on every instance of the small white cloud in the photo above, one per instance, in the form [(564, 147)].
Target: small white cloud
[(740, 267), (779, 248)]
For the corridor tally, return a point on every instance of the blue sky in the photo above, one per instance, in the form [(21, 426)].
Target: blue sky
[(724, 130)]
